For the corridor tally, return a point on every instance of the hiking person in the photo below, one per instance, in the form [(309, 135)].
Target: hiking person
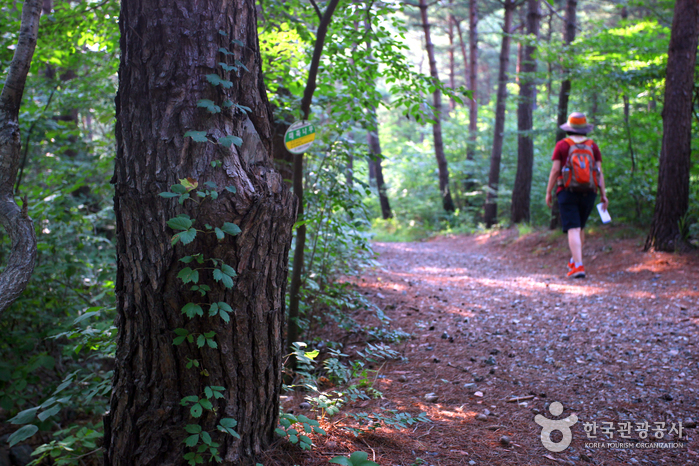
[(577, 169)]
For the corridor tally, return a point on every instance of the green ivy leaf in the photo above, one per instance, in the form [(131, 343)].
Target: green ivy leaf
[(188, 236), (213, 309), (193, 428), (225, 51), (231, 228), (219, 233), (201, 341), (231, 189), (228, 270), (237, 42), (225, 307), (206, 404), (227, 281), (192, 309), (197, 136), (196, 410), (243, 108), (189, 399), (178, 188), (209, 105), (242, 65), (228, 140), (181, 222), (206, 438), (188, 275), (192, 440), (168, 195)]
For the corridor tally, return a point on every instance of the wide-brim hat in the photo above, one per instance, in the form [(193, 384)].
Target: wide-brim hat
[(577, 123)]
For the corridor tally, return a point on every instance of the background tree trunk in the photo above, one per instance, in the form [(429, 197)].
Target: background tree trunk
[(568, 38), (19, 227), (447, 201), (473, 78), (521, 193), (491, 205), (375, 163), (672, 199), (167, 48), (299, 248), (450, 33)]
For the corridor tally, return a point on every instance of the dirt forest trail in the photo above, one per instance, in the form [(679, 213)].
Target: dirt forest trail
[(492, 318)]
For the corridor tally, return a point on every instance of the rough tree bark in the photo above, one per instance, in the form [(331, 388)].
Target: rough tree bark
[(299, 248), (491, 202), (167, 48), (672, 199), (447, 201), (521, 193), (19, 227)]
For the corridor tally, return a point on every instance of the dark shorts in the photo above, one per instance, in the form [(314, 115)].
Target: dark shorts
[(575, 208)]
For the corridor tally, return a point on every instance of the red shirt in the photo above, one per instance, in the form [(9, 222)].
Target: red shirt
[(561, 153)]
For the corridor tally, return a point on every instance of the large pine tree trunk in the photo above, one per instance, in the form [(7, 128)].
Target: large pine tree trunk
[(167, 49), (521, 192), (447, 201), (491, 206), (672, 199)]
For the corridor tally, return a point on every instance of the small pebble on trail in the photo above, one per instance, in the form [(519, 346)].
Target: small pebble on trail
[(431, 397), (505, 440)]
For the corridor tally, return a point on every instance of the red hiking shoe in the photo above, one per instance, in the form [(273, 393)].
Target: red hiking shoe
[(577, 272)]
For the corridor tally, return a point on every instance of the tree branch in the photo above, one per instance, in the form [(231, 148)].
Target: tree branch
[(315, 5), (315, 61), (18, 225)]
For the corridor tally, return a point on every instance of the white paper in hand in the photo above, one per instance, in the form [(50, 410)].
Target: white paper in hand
[(603, 214)]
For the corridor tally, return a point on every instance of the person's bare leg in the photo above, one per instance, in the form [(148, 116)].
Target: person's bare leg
[(575, 244)]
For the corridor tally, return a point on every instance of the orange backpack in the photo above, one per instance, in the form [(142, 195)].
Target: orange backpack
[(580, 173)]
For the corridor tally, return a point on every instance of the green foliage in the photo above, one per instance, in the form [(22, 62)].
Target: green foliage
[(295, 428), (394, 420), (358, 458)]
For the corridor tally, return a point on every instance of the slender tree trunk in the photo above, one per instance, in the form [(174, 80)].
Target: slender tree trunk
[(672, 199), (450, 33), (375, 163), (447, 201), (164, 57), (473, 78), (299, 248), (521, 192), (375, 169), (19, 227), (491, 206), (568, 38)]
